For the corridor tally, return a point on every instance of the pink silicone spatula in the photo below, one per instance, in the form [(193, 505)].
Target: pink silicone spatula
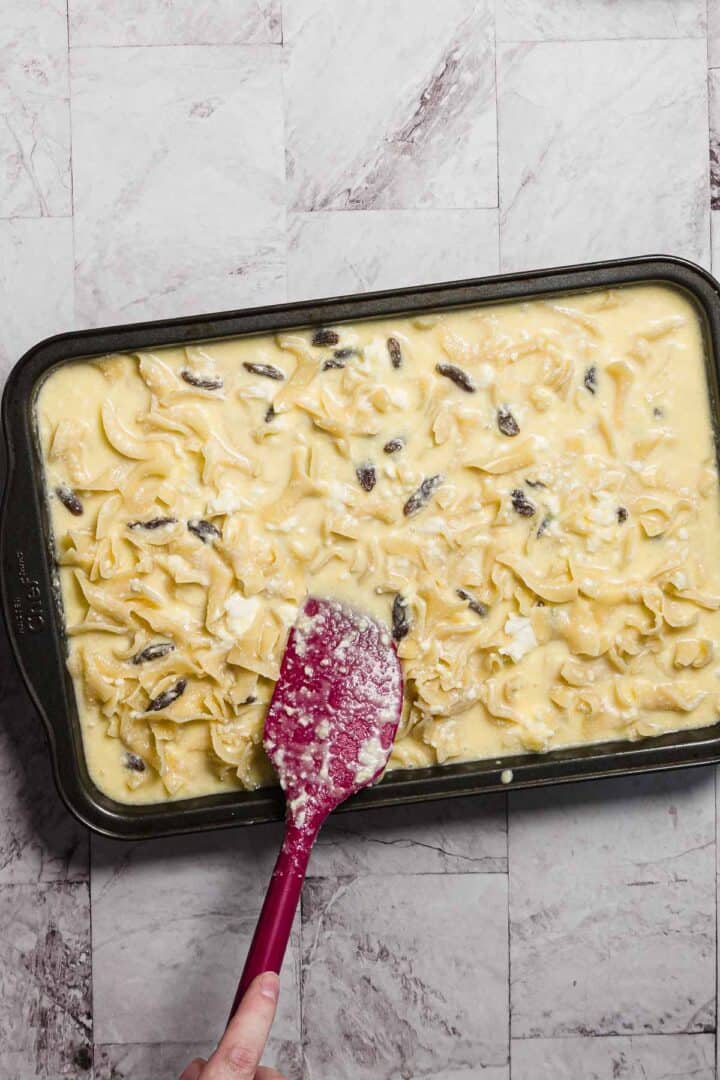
[(328, 732)]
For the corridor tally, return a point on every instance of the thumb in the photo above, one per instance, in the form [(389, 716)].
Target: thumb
[(241, 1047)]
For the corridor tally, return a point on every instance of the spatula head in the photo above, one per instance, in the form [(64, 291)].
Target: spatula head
[(335, 710)]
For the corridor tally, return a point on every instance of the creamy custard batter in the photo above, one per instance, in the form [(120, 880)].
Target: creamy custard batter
[(526, 493)]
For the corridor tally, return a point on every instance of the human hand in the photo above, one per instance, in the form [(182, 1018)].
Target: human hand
[(240, 1049)]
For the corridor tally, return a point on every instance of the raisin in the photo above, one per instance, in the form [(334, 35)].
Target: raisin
[(506, 422), (393, 445), (268, 371), (394, 351), (457, 376), (323, 336), (162, 701), (542, 527), (153, 523), (622, 514), (269, 414), (204, 530), (367, 476), (422, 496), (134, 762), (203, 382), (401, 620), (521, 504), (590, 379), (339, 358), (475, 605), (153, 652), (69, 499)]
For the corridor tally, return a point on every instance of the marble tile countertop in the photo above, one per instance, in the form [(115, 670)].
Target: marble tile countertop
[(166, 157)]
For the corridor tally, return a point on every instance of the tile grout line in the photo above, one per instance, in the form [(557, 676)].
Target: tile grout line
[(91, 965), (595, 40), (710, 239), (92, 955), (710, 136), (507, 796), (72, 184), (509, 986), (283, 126), (184, 45), (283, 44), (416, 873), (301, 987), (716, 920), (93, 1045), (497, 160), (579, 1036)]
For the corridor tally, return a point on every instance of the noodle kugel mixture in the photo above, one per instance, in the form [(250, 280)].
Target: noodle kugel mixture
[(526, 494)]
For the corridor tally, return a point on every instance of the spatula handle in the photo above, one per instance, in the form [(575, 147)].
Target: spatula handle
[(272, 932)]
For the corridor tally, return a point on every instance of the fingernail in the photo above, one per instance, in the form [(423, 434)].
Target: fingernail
[(194, 1070), (270, 985)]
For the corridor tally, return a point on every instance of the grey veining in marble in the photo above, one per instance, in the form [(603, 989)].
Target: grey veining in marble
[(568, 20), (39, 841), (175, 22), (402, 973), (637, 1057), (612, 907), (147, 1062), (591, 169), (332, 253), (45, 1020), (390, 106), (189, 215), (34, 111), (464, 836), (36, 284), (714, 106), (172, 921)]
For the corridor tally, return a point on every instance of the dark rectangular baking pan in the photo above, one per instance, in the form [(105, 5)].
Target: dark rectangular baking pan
[(31, 602)]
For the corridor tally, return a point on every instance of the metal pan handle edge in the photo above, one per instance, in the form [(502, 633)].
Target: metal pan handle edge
[(25, 586)]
